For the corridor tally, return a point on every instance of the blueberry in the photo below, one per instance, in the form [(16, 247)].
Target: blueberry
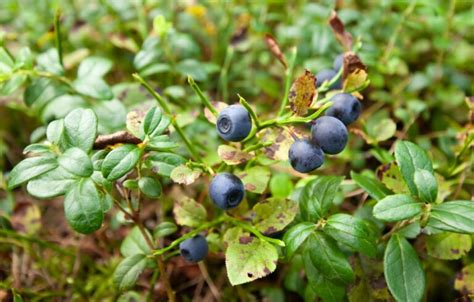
[(305, 156), (234, 123), (345, 107), (327, 75), (330, 134), (226, 191), (338, 61), (194, 249)]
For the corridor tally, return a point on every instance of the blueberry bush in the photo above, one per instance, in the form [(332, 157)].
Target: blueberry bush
[(236, 151)]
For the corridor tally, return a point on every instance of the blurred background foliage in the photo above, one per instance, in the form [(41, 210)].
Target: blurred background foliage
[(420, 62)]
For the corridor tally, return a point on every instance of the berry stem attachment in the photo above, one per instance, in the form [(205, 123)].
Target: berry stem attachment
[(201, 95), (247, 106)]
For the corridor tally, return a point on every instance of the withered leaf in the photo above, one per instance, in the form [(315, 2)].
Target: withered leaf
[(342, 36), (232, 156), (274, 48), (354, 71), (302, 92)]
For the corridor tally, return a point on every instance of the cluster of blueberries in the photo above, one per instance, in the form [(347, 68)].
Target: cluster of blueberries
[(328, 135), (226, 190)]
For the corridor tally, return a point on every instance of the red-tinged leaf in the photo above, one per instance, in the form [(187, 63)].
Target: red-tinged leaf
[(302, 93), (337, 26), (274, 48)]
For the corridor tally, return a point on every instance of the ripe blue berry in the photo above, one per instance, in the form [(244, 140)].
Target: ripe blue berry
[(194, 249), (327, 75), (337, 64), (305, 156), (226, 191), (330, 134), (234, 123), (345, 107)]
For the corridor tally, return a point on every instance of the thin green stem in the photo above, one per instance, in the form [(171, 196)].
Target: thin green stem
[(257, 146), (254, 231), (57, 35), (201, 95), (167, 111), (288, 80), (244, 103), (325, 86), (225, 70)]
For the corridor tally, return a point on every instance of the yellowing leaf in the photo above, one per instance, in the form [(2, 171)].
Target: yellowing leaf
[(232, 156), (182, 174), (211, 117), (302, 93), (354, 72), (188, 212)]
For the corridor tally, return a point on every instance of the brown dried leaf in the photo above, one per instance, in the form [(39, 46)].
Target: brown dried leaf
[(337, 26), (231, 155), (354, 71), (274, 48), (302, 92)]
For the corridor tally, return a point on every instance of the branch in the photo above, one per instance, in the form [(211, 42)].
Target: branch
[(120, 137)]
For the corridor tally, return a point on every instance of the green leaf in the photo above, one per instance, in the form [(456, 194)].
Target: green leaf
[(409, 158), (255, 179), (164, 229), (49, 61), (273, 214), (403, 271), (351, 232), (94, 87), (94, 67), (82, 206), (373, 187), (77, 162), (51, 184), (296, 236), (328, 258), (426, 185), (37, 148), (160, 26), (134, 243), (161, 143), (188, 212), (150, 187), (182, 174), (129, 269), (317, 197), (453, 216), (80, 129), (164, 163), (281, 185), (10, 86), (41, 91), (120, 161), (397, 207), (448, 246), (30, 168), (55, 130), (249, 260), (155, 123), (192, 68), (6, 61), (319, 283)]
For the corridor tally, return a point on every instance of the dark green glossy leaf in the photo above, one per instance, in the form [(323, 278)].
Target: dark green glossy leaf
[(397, 207), (426, 185), (164, 229), (296, 235), (351, 232), (164, 163), (373, 187), (134, 243), (80, 129), (411, 157), (82, 206), (150, 187), (403, 271), (317, 197), (51, 184), (30, 168), (76, 161), (453, 216), (120, 161), (129, 269)]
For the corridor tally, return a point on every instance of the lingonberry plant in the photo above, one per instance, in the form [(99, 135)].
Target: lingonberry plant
[(247, 213)]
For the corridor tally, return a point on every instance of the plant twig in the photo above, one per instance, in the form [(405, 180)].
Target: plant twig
[(120, 137)]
